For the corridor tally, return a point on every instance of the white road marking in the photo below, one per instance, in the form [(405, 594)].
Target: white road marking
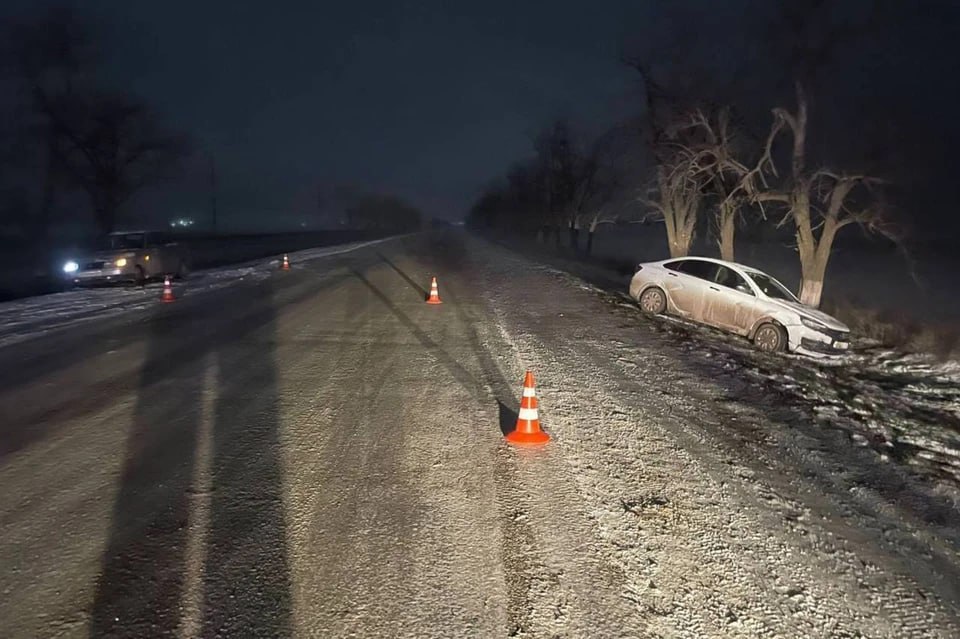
[(191, 599)]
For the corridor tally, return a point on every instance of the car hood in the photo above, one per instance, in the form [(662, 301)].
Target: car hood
[(814, 314)]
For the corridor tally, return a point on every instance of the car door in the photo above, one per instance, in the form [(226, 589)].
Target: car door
[(164, 255), (686, 285), (731, 302)]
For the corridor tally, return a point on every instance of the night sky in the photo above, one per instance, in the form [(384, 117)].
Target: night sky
[(432, 100)]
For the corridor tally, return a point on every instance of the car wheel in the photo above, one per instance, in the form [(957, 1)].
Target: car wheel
[(770, 338), (653, 301)]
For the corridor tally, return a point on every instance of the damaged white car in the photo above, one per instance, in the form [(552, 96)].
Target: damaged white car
[(738, 299)]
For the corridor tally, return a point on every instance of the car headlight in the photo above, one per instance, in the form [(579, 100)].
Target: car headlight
[(814, 324), (121, 262), (71, 267)]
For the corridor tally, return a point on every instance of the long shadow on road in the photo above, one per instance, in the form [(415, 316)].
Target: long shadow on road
[(459, 373), (492, 382), (138, 593), (409, 280), (198, 539)]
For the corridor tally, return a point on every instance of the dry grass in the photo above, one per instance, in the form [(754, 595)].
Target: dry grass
[(898, 330)]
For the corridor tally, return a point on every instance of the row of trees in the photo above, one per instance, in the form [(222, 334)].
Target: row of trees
[(67, 134), (689, 161), (570, 186)]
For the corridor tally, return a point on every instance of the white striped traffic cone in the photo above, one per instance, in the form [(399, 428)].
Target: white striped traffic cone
[(434, 293), (527, 432), (167, 290)]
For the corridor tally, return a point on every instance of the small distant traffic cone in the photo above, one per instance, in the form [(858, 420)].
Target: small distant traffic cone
[(527, 432), (285, 266), (167, 290), (434, 293)]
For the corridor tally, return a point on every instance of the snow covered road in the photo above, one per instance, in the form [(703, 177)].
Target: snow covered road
[(319, 453)]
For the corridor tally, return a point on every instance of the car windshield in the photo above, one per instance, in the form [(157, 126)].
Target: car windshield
[(771, 287), (120, 242)]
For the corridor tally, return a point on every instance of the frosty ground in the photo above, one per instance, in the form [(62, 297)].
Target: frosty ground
[(319, 453)]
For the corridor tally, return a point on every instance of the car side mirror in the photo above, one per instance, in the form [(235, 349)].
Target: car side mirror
[(743, 289)]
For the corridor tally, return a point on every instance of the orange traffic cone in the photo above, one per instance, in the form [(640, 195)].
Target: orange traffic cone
[(527, 432), (167, 290), (285, 266), (434, 293)]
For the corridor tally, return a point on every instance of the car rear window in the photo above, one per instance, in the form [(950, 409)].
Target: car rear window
[(697, 268)]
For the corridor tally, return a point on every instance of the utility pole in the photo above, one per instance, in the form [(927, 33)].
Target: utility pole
[(213, 194)]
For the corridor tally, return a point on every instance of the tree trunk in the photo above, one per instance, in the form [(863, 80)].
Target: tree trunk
[(589, 242), (680, 231), (813, 264), (811, 283), (574, 238), (728, 228), (670, 226), (678, 239), (680, 247)]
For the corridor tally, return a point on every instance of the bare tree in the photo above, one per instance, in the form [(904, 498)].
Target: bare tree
[(586, 187), (601, 185), (676, 197), (50, 54), (618, 204), (679, 181), (727, 181), (818, 202), (112, 148), (805, 36), (731, 182), (558, 160)]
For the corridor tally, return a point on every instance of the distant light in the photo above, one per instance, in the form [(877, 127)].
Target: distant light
[(181, 222), (71, 267)]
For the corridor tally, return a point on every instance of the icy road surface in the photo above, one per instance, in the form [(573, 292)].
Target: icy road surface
[(24, 318), (318, 453)]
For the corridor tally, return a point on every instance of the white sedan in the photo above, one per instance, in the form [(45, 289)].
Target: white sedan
[(738, 299)]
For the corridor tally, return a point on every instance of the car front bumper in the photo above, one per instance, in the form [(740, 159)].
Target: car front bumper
[(104, 276), (817, 344)]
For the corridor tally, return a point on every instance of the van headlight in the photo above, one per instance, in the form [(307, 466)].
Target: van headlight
[(71, 267), (121, 262), (814, 324)]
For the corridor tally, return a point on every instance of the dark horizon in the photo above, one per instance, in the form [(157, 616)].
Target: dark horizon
[(432, 103)]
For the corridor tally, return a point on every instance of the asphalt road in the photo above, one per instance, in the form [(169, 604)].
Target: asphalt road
[(317, 454), (320, 454)]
